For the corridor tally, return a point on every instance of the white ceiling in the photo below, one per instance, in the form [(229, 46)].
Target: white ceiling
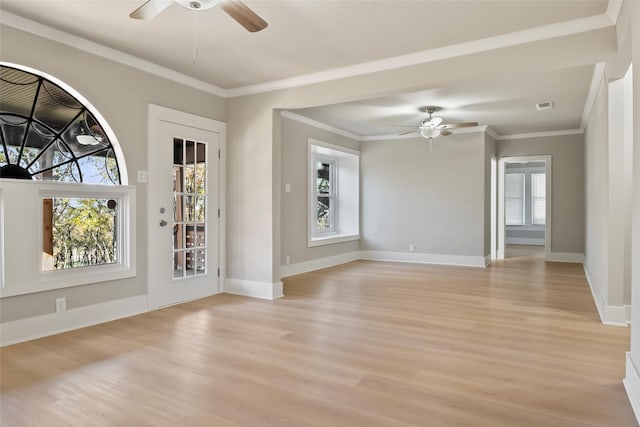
[(307, 37)]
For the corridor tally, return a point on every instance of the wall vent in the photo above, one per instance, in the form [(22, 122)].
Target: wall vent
[(544, 105)]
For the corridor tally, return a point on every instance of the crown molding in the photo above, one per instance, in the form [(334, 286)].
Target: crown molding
[(319, 125), (613, 10), (543, 134), (492, 133), (33, 27), (596, 81), (544, 32), (529, 35)]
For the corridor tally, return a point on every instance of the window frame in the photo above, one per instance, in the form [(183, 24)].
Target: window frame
[(346, 192), (27, 274)]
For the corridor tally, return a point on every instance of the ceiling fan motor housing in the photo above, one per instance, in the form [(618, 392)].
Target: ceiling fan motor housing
[(198, 4)]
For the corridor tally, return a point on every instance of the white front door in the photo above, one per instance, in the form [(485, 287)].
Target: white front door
[(183, 210)]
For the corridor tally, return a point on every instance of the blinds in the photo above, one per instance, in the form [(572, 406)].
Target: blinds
[(538, 205), (514, 198)]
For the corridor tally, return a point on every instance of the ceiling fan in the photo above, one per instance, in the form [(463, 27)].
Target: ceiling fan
[(234, 8), (434, 126)]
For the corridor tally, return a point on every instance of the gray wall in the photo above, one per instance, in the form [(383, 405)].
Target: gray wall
[(121, 94), (567, 188), (295, 204), (435, 201)]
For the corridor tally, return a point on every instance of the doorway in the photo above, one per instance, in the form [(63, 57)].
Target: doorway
[(184, 210), (524, 206)]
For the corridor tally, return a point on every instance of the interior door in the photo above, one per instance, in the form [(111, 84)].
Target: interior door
[(183, 226)]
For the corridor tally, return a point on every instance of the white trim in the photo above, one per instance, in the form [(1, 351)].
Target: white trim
[(632, 385), (484, 128), (544, 32), (319, 125), (249, 288), (571, 257), (613, 10), (609, 314), (33, 27), (524, 241), (487, 260), (501, 205), (320, 240), (115, 144), (422, 258), (318, 263), (76, 318), (598, 299), (492, 133), (615, 316), (529, 35), (596, 80), (542, 134)]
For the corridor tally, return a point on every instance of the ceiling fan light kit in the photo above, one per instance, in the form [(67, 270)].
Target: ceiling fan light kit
[(434, 126)]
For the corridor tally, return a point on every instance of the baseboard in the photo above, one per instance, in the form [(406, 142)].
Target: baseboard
[(317, 264), (54, 323), (565, 257), (249, 288), (523, 241), (420, 258), (487, 260), (609, 314), (632, 386)]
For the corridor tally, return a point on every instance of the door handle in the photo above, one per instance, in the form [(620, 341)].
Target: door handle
[(163, 223)]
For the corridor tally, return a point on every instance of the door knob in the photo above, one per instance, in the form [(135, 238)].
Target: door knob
[(163, 223)]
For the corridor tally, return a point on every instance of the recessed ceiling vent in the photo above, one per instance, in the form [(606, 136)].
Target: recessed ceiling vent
[(544, 105)]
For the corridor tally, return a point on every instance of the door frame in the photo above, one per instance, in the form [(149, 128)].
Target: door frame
[(548, 202), (157, 115)]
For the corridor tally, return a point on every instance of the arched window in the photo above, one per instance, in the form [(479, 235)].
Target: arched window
[(56, 155), (49, 134)]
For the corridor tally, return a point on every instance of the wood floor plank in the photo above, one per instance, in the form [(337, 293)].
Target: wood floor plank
[(364, 343)]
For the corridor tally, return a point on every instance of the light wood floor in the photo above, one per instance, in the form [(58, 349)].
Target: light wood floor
[(366, 343)]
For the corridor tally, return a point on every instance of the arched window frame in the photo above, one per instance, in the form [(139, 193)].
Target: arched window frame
[(21, 219)]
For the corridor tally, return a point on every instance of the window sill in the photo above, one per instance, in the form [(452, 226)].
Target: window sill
[(530, 227), (331, 239)]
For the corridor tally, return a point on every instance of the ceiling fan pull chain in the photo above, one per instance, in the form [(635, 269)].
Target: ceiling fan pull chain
[(195, 39)]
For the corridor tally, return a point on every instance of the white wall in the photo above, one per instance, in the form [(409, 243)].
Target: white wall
[(121, 94), (434, 201), (608, 171)]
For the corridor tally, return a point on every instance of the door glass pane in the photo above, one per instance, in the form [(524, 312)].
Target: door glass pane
[(190, 197)]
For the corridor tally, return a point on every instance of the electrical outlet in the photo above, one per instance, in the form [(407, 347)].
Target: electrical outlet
[(287, 188), (412, 247), (287, 260), (61, 304)]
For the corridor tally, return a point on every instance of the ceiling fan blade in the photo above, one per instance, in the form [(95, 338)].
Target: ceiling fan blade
[(149, 9), (460, 125), (445, 132), (404, 126), (409, 132), (243, 15)]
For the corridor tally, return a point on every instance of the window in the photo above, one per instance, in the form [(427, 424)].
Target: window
[(514, 198), (325, 194), (64, 204), (538, 203), (333, 193)]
